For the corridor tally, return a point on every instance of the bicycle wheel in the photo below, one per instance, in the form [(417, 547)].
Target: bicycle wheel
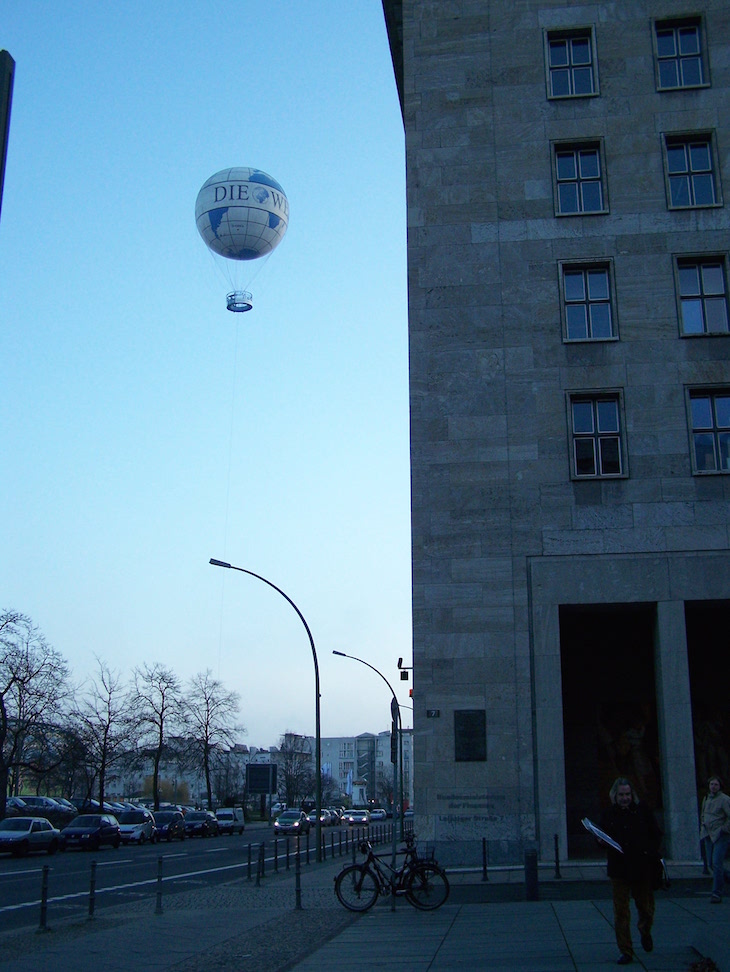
[(427, 886), (356, 888)]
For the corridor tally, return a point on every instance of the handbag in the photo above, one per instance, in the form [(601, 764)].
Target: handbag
[(659, 875)]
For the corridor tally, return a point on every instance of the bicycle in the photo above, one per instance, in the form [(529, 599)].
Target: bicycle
[(423, 883)]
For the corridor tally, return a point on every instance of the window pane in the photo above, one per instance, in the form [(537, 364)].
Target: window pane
[(583, 417), (607, 413), (589, 164), (692, 322), (568, 197), (668, 74), (704, 190), (558, 53), (585, 460), (699, 156), (560, 83), (691, 71), (716, 314), (676, 158), (679, 190), (592, 197), (713, 279), (723, 441), (582, 81), (689, 280), (601, 321), (610, 456), (574, 285), (689, 40), (722, 411), (575, 316), (705, 451), (581, 50), (665, 43), (701, 412), (566, 165), (598, 284)]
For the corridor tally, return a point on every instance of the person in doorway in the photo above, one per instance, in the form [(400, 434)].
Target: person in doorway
[(715, 834), (632, 825)]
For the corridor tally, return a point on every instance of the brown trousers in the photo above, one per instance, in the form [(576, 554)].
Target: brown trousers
[(643, 895)]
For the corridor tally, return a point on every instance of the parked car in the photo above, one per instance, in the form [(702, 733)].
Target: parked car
[(137, 826), (357, 817), (15, 807), (170, 824), (276, 809), (325, 818), (378, 813), (50, 808), (230, 819), (91, 830), (292, 822), (21, 835), (201, 823)]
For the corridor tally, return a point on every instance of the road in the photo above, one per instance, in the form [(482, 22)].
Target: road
[(129, 873)]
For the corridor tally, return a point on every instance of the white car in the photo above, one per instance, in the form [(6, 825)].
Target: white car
[(230, 819), (20, 835), (137, 826), (377, 813)]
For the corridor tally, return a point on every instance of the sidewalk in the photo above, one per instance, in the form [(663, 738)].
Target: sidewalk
[(239, 927)]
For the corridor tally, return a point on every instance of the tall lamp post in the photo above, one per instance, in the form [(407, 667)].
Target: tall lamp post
[(317, 729), (395, 713)]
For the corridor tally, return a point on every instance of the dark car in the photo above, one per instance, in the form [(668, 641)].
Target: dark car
[(20, 835), (170, 824), (91, 830), (292, 822), (201, 823)]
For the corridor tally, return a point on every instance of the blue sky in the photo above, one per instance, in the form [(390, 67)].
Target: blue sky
[(145, 428)]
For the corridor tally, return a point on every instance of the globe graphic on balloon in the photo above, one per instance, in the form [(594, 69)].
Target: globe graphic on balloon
[(242, 213)]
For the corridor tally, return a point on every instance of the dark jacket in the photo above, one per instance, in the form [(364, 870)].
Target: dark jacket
[(636, 830)]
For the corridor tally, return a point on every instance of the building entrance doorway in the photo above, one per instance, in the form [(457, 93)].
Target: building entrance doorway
[(609, 710)]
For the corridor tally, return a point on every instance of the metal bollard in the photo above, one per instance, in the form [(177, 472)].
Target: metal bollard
[(298, 881), (531, 891), (248, 870), (276, 854), (44, 899), (307, 847), (92, 890), (158, 906), (557, 858), (287, 853), (485, 859)]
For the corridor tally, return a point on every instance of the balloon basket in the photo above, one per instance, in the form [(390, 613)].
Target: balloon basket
[(239, 301)]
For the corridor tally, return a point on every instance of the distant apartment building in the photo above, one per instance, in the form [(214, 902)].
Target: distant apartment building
[(568, 174)]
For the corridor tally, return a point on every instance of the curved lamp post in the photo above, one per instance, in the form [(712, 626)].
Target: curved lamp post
[(395, 713), (318, 734)]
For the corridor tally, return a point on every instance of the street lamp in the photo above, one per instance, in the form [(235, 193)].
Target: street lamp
[(317, 730), (395, 713)]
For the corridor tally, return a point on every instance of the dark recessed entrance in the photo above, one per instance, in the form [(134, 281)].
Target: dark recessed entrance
[(609, 710), (708, 631)]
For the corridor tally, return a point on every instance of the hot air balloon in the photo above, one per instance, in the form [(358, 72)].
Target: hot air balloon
[(242, 215)]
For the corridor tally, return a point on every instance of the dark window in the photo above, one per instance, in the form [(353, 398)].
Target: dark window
[(570, 65), (679, 55), (690, 172), (579, 179), (703, 296), (710, 416), (596, 436), (470, 735), (587, 303)]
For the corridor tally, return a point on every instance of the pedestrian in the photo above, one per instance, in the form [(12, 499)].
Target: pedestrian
[(715, 834), (632, 825)]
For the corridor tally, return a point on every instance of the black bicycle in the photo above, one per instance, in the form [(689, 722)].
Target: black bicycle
[(423, 883)]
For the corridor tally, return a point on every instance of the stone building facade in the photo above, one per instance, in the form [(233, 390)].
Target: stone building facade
[(568, 181)]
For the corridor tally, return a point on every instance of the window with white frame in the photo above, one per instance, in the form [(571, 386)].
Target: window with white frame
[(596, 435), (679, 54), (710, 419), (690, 167), (579, 179), (587, 302), (703, 295), (571, 64)]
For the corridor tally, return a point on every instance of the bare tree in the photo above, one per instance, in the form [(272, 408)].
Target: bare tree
[(294, 759), (105, 720), (210, 712), (158, 706), (33, 686)]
